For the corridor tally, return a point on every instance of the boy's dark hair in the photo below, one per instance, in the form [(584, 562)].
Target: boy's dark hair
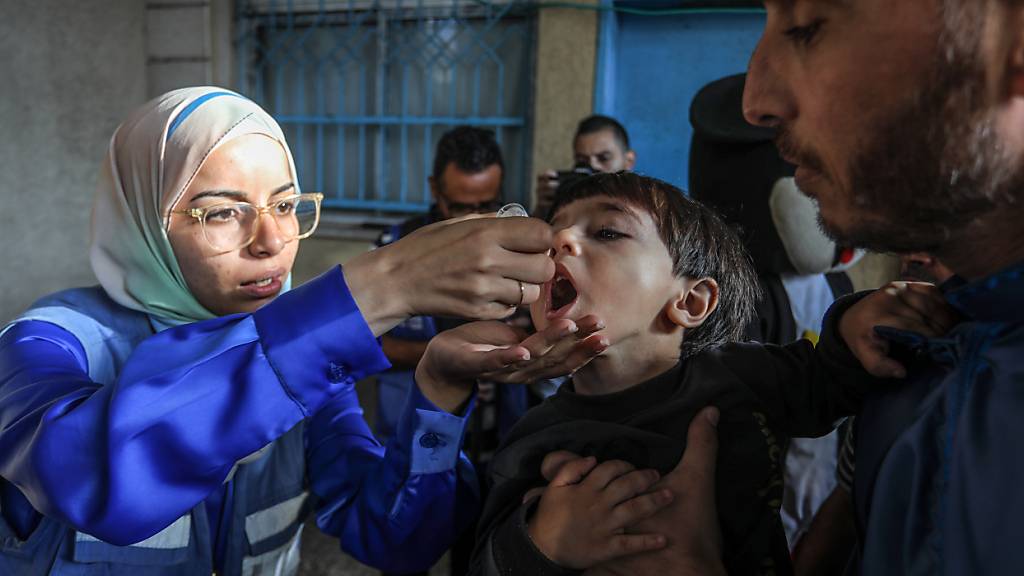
[(597, 123), (700, 243), (471, 149)]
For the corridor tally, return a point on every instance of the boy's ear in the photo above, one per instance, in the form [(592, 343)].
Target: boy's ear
[(696, 301)]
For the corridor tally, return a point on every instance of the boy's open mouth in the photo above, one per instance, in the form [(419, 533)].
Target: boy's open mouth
[(563, 292)]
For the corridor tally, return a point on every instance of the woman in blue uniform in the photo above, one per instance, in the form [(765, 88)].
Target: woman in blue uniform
[(186, 415)]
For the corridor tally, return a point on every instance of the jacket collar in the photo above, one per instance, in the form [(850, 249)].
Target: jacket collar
[(996, 298)]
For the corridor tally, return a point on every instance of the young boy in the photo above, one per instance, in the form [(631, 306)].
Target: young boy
[(672, 284)]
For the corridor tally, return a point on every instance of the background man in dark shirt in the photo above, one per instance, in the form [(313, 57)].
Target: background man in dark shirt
[(466, 179)]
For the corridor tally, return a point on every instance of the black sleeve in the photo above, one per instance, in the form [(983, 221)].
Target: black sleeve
[(508, 550), (804, 389)]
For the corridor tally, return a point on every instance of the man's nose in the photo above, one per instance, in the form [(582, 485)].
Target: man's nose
[(767, 101), (269, 240)]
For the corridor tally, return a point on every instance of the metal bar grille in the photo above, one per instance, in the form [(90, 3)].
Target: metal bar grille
[(363, 89)]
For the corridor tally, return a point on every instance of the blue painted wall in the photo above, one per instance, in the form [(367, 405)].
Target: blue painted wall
[(651, 67)]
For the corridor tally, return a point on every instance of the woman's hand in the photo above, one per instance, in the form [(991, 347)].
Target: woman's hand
[(455, 359), (470, 267), (562, 348)]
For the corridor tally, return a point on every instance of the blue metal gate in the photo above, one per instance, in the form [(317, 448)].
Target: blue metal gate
[(364, 89), (651, 63)]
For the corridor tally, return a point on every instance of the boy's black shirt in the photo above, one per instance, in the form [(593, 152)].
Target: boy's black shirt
[(766, 395)]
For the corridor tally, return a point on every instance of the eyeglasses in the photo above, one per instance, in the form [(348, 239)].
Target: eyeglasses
[(229, 226), (456, 209)]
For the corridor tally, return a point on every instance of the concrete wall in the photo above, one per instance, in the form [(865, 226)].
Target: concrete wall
[(71, 71), (564, 82), (184, 39)]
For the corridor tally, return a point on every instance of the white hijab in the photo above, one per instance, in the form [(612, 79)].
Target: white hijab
[(152, 159)]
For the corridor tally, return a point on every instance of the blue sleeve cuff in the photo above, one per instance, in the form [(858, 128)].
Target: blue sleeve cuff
[(317, 341), (435, 436)]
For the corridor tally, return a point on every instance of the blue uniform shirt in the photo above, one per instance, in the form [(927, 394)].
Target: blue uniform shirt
[(111, 434), (939, 480)]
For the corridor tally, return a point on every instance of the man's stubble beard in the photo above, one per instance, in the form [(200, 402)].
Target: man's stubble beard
[(933, 167)]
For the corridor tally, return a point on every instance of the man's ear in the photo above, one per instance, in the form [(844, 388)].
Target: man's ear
[(696, 301), (630, 159)]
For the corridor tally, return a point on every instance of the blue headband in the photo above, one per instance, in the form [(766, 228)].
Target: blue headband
[(192, 108)]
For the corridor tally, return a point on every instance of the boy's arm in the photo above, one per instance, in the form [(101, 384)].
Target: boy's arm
[(806, 389), (507, 549), (916, 307)]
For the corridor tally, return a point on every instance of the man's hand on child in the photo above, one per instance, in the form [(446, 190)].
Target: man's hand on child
[(913, 306), (582, 515), (691, 521), (491, 350), (694, 536)]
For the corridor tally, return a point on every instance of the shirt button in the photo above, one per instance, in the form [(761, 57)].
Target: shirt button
[(431, 440)]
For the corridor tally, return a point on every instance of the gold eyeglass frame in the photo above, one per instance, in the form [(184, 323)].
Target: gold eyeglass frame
[(200, 214)]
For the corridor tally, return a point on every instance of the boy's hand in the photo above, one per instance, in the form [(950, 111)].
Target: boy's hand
[(549, 469), (456, 358), (914, 306), (583, 513)]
